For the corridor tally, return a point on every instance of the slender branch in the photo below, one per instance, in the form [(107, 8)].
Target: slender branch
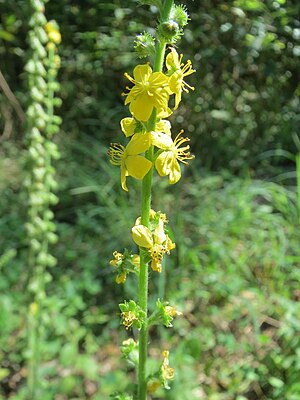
[(12, 98)]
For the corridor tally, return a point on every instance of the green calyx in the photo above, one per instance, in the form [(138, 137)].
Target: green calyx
[(180, 15), (169, 31), (144, 45)]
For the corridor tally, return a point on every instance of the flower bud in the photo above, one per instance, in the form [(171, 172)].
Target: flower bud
[(144, 45), (180, 15), (169, 31)]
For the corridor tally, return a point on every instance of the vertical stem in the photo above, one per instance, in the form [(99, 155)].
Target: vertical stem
[(298, 183), (146, 206)]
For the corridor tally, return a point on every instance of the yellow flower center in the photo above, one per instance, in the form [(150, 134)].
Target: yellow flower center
[(128, 318)]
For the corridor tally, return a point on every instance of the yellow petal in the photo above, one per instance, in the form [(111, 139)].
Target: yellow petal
[(142, 72), (163, 163), (164, 126), (159, 234), (161, 140), (172, 60), (139, 143), (175, 172), (160, 100), (124, 173), (158, 79), (164, 113), (156, 265), (137, 166), (142, 236), (141, 107), (128, 126)]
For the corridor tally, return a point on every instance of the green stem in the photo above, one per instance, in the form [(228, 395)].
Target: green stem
[(298, 183), (146, 206)]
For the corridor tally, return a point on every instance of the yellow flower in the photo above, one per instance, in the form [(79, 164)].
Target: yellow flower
[(136, 260), (128, 318), (156, 243), (169, 245), (121, 278), (53, 32), (164, 126), (171, 311), (150, 90), (130, 162), (142, 236), (157, 254), (118, 257), (129, 126), (166, 163), (178, 71), (167, 372), (153, 385)]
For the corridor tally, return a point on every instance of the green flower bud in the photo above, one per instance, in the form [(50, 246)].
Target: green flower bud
[(36, 136), (169, 31), (36, 94), (130, 352), (41, 34), (48, 215), (52, 237), (51, 261), (41, 83), (180, 15), (42, 258), (57, 101), (38, 5), (35, 245), (144, 45), (53, 199)]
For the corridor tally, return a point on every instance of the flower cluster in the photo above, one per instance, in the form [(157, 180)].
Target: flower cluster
[(154, 92), (150, 95), (163, 314), (155, 238), (125, 264), (42, 124), (162, 377), (132, 315)]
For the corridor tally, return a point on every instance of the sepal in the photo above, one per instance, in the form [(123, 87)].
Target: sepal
[(125, 264), (163, 314), (130, 351), (144, 45), (132, 315)]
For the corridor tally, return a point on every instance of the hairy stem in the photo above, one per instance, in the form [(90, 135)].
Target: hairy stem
[(146, 206)]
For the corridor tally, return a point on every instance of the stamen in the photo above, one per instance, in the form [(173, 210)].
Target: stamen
[(182, 153), (186, 84), (116, 153), (129, 78)]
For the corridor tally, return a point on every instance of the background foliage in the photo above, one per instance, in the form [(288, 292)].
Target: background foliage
[(235, 216)]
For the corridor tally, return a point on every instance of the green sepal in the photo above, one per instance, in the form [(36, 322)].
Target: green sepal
[(132, 315), (130, 351)]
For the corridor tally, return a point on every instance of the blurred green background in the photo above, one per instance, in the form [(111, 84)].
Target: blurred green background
[(235, 213)]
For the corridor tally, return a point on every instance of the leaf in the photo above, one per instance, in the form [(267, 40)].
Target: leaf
[(276, 382)]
